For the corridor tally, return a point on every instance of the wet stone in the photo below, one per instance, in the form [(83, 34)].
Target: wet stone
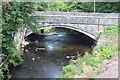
[(26, 50), (38, 57), (33, 59)]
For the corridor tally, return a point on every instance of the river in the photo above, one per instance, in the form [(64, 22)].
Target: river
[(45, 56)]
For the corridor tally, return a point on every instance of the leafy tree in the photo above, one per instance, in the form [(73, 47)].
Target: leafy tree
[(101, 7), (15, 15), (42, 6), (52, 6), (107, 7), (81, 7)]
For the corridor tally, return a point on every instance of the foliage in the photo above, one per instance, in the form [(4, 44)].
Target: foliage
[(101, 7), (52, 6), (41, 6), (106, 53), (111, 30), (15, 15), (49, 30), (91, 60), (81, 7), (107, 7), (70, 70), (94, 59)]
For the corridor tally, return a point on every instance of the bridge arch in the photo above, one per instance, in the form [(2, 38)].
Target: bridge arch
[(72, 27)]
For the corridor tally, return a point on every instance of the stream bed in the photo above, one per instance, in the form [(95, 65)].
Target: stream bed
[(45, 57)]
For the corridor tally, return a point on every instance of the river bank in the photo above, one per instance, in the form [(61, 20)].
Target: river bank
[(60, 53), (92, 64), (110, 70)]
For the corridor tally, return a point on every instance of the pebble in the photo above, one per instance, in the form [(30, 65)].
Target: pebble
[(22, 49), (22, 46), (26, 50), (70, 56), (41, 48), (36, 41), (38, 57), (77, 52), (67, 56), (33, 59), (36, 49), (29, 48), (74, 61)]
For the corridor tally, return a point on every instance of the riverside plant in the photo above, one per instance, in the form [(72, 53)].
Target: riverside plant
[(95, 59), (15, 15)]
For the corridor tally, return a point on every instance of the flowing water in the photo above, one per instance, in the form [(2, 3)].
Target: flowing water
[(45, 56)]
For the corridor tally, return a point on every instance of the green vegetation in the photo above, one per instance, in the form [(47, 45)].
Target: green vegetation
[(71, 70), (92, 62), (15, 15), (52, 6), (111, 30), (106, 53), (101, 7)]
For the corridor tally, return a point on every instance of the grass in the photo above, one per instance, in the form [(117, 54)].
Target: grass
[(89, 65), (111, 30), (71, 70)]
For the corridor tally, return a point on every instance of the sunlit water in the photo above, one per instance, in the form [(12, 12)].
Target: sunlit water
[(45, 58)]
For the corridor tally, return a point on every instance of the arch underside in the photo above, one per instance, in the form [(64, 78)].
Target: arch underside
[(69, 27)]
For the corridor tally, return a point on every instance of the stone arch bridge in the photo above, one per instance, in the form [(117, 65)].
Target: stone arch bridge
[(90, 24)]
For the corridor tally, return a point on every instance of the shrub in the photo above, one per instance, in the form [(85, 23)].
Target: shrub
[(70, 71), (106, 52), (91, 60), (111, 30)]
